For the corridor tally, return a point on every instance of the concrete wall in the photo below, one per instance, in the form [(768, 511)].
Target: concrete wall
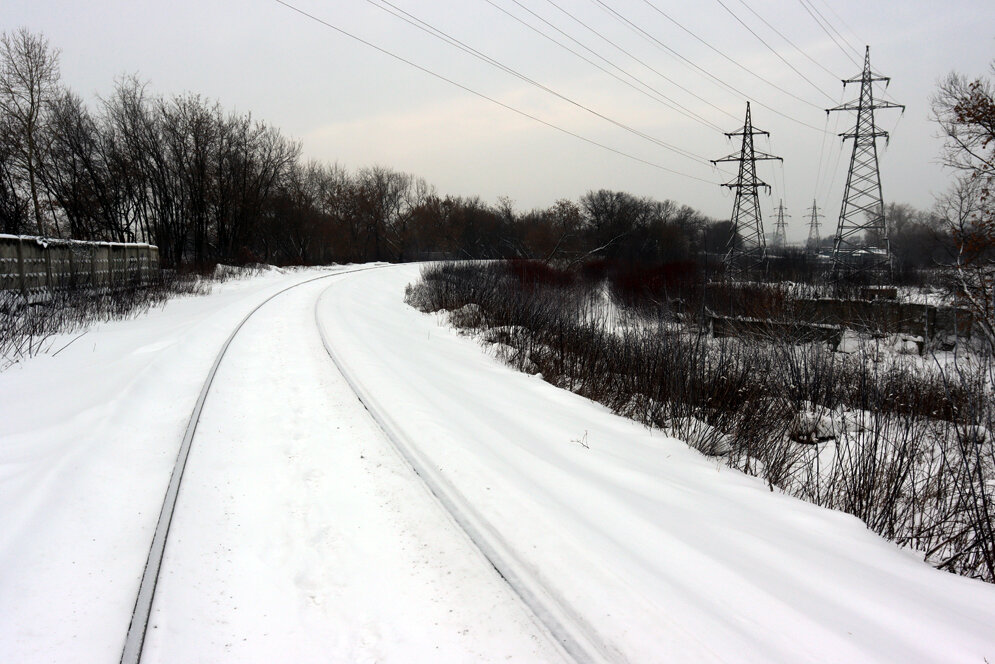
[(724, 326), (889, 317), (877, 315), (33, 264)]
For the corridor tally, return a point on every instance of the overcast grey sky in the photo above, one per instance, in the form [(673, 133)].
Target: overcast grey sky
[(350, 104)]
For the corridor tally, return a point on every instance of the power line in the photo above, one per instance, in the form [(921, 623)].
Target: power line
[(771, 49), (635, 58), (835, 171), (781, 35), (660, 44), (456, 43), (840, 18), (841, 36), (832, 27), (733, 61), (822, 152), (805, 6), (779, 166), (653, 93), (822, 171), (483, 96)]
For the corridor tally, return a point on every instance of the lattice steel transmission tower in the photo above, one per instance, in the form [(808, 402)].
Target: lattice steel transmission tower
[(747, 247), (861, 244), (780, 228), (814, 239)]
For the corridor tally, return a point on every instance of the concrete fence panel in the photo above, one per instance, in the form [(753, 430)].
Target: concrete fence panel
[(33, 264)]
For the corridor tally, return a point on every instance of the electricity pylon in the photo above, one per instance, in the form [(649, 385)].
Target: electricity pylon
[(861, 244), (813, 228), (747, 248), (780, 229)]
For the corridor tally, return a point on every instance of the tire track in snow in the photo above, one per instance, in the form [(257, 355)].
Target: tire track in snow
[(567, 628), (137, 628)]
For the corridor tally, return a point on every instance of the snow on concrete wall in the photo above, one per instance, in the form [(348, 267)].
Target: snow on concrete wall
[(29, 264)]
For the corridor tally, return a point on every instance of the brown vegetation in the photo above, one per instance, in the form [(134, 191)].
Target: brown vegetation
[(905, 447)]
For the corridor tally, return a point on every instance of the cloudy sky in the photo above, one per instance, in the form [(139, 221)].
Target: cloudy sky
[(349, 103)]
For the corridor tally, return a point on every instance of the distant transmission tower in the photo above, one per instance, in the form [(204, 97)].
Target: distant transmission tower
[(861, 243), (747, 247), (814, 238), (780, 230)]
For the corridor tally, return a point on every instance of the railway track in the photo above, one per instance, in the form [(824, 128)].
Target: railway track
[(138, 627), (572, 632), (576, 638)]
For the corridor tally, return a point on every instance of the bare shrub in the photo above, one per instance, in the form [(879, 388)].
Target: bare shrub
[(28, 324), (907, 450)]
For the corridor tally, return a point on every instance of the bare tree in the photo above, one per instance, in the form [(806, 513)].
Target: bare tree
[(29, 78), (13, 209), (965, 111), (384, 196)]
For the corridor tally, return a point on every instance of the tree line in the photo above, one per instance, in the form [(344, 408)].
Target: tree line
[(208, 185)]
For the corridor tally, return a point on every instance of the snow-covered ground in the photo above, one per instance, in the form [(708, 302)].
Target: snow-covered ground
[(302, 535)]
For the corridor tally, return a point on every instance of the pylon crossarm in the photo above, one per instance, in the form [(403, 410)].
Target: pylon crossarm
[(737, 157), (872, 134), (874, 78), (747, 186), (753, 132), (888, 104), (857, 105)]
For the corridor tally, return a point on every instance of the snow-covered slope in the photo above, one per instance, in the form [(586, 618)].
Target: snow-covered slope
[(301, 535), (87, 441), (666, 554)]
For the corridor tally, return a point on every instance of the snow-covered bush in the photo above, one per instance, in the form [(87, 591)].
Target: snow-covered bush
[(871, 431), (27, 325)]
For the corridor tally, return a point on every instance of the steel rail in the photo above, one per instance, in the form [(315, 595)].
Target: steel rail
[(140, 615), (577, 639)]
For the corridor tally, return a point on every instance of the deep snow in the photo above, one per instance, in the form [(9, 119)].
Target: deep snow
[(668, 555), (301, 535)]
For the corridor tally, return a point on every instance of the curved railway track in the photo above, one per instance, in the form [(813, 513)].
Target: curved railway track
[(577, 639), (137, 628), (572, 632)]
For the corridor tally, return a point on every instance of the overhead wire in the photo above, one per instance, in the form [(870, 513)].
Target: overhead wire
[(843, 22), (779, 190), (452, 41), (833, 28), (713, 48), (898, 121), (824, 159), (778, 164), (666, 48), (649, 90), (481, 95), (859, 53), (782, 36), (772, 50), (637, 59), (847, 53), (834, 172), (822, 152)]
